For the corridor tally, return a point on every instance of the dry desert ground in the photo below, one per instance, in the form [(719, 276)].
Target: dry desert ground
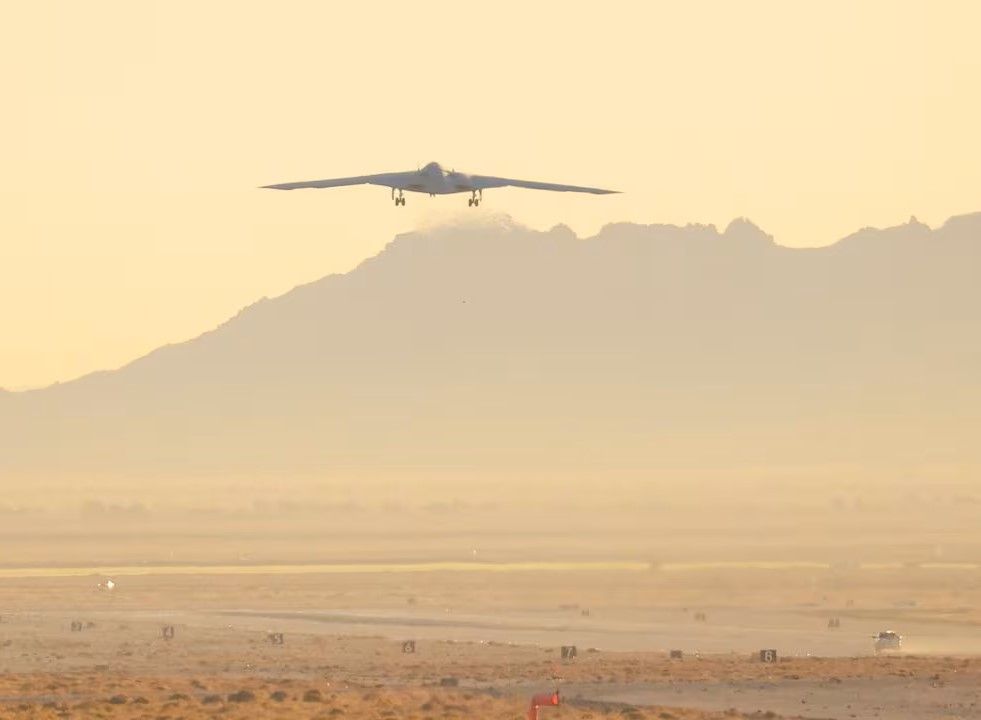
[(486, 641)]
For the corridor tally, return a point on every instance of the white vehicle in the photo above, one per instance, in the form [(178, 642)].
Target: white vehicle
[(887, 640), (434, 180)]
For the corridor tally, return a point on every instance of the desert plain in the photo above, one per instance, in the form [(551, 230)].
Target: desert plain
[(488, 635)]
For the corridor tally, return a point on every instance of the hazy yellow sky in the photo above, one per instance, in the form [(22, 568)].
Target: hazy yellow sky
[(135, 133)]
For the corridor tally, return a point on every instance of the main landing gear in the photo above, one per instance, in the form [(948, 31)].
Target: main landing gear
[(474, 201), (398, 200)]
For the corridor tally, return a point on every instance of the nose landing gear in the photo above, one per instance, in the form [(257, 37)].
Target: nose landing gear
[(400, 200), (474, 201)]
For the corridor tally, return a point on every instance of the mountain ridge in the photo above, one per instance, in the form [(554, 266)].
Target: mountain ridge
[(740, 229), (650, 352)]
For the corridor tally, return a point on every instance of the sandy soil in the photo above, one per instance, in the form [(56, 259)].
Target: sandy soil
[(497, 637), (113, 696)]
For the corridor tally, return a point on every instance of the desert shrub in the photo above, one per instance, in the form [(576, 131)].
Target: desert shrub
[(242, 696)]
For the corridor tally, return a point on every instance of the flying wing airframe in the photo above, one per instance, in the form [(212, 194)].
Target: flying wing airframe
[(433, 179)]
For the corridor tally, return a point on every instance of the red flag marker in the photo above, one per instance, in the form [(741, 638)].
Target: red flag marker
[(540, 701)]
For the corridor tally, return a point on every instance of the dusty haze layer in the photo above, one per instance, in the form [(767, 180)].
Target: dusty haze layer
[(482, 378)]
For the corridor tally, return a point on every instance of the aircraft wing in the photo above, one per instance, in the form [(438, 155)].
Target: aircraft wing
[(483, 182), (393, 180)]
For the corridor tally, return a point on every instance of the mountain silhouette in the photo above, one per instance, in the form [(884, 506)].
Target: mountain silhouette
[(645, 353)]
